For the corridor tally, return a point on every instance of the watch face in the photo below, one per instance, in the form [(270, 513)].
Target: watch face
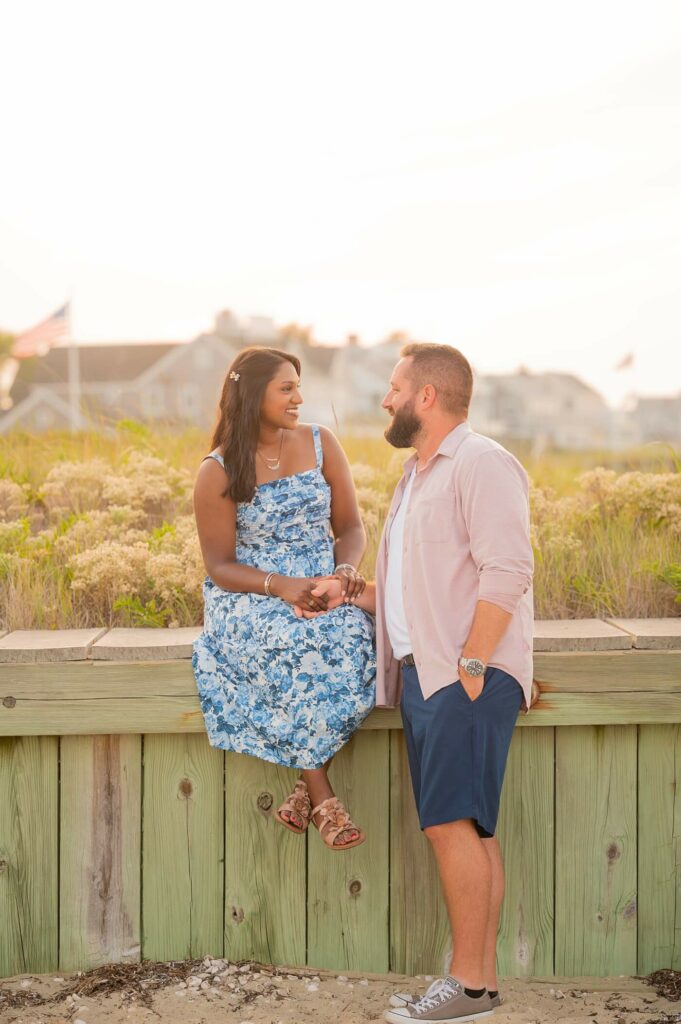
[(473, 666)]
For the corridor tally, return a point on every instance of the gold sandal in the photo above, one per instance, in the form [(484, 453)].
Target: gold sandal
[(298, 803), (335, 820)]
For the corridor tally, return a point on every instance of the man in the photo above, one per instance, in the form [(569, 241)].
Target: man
[(454, 620)]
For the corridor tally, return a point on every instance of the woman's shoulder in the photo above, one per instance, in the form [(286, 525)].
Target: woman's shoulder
[(215, 456), (211, 473)]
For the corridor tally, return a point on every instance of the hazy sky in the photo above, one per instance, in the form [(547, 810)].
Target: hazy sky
[(502, 176)]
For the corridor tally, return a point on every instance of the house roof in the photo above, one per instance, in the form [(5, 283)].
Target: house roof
[(40, 396), (319, 357), (105, 363)]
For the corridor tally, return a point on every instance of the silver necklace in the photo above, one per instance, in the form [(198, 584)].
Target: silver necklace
[(273, 464)]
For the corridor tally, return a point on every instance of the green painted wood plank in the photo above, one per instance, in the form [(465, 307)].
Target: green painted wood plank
[(526, 834), (29, 774), (659, 848), (100, 851), (168, 715), (265, 870), (347, 923), (596, 851), (419, 927), (565, 671), (182, 848), (608, 671)]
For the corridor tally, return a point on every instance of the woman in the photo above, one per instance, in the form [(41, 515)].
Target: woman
[(276, 512)]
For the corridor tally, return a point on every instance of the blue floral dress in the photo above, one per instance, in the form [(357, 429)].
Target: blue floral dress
[(284, 689)]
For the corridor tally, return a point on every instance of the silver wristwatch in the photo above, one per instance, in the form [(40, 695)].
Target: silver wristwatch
[(473, 666)]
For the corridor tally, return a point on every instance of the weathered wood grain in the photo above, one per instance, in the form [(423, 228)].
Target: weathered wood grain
[(265, 871), (347, 922), (652, 634), (29, 899), (48, 645), (579, 635), (419, 927), (608, 672), (100, 850), (659, 848), (173, 714), (596, 841), (182, 848), (526, 834), (146, 644)]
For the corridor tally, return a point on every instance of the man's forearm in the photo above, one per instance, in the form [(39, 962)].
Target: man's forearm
[(490, 622), (349, 548)]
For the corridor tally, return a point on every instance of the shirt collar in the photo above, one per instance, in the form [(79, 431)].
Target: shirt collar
[(449, 446)]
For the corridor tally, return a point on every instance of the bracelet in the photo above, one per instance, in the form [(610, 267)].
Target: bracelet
[(268, 580), (345, 565)]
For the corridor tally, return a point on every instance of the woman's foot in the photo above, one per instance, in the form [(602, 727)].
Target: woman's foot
[(296, 810), (335, 826)]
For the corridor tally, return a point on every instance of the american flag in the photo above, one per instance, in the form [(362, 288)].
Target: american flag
[(43, 336)]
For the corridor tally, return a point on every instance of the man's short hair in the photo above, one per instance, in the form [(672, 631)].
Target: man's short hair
[(446, 369)]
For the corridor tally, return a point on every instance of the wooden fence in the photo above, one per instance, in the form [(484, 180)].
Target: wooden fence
[(124, 835)]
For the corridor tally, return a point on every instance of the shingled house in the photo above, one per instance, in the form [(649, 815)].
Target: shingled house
[(178, 383)]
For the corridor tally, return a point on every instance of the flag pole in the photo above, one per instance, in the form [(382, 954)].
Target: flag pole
[(74, 375)]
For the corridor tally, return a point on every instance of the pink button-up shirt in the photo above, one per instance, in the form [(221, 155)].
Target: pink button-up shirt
[(466, 539)]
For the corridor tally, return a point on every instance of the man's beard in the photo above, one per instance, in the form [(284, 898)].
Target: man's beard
[(404, 428)]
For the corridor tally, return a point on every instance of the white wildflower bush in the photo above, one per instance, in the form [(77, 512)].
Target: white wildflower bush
[(13, 500), (73, 488)]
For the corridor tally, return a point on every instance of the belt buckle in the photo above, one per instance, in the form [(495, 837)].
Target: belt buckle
[(408, 660)]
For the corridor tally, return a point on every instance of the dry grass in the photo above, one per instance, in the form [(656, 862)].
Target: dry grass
[(98, 530)]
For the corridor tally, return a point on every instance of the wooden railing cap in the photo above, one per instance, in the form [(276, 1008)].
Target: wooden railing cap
[(146, 644), (579, 635), (31, 645), (651, 634)]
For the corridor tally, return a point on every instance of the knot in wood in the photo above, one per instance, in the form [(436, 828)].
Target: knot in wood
[(355, 887), (3, 866), (9, 702), (237, 914), (614, 852), (265, 801), (186, 788)]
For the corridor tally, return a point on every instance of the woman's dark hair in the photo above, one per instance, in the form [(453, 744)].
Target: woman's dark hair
[(238, 427)]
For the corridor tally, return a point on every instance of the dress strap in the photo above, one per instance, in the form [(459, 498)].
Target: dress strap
[(216, 456), (319, 451)]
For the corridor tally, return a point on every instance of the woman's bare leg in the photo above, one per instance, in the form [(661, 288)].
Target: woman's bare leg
[(319, 788)]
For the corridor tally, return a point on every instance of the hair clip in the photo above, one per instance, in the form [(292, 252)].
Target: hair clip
[(233, 375)]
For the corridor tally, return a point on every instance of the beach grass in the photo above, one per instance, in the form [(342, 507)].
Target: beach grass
[(97, 529)]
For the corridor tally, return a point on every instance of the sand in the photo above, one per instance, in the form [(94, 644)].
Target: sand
[(217, 992)]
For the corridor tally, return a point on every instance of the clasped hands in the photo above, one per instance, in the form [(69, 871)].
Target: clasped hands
[(328, 592)]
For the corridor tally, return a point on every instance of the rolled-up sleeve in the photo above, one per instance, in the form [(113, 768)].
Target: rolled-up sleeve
[(495, 505)]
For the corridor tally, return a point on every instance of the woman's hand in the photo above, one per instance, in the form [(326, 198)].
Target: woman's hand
[(299, 591), (352, 583), (328, 589)]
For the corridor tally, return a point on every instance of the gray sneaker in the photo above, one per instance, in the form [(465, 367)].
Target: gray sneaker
[(404, 998), (446, 1003)]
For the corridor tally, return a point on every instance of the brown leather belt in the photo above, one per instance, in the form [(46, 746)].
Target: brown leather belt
[(408, 659)]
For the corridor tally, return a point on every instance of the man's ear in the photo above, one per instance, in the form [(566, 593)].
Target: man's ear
[(428, 397)]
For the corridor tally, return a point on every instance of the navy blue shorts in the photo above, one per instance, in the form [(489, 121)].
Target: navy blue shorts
[(458, 748)]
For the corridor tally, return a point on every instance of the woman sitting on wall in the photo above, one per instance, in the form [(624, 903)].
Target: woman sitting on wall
[(276, 511)]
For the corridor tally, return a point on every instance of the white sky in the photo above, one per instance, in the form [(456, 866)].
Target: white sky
[(502, 176)]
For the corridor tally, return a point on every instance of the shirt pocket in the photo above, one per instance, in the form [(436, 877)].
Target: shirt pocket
[(433, 521)]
